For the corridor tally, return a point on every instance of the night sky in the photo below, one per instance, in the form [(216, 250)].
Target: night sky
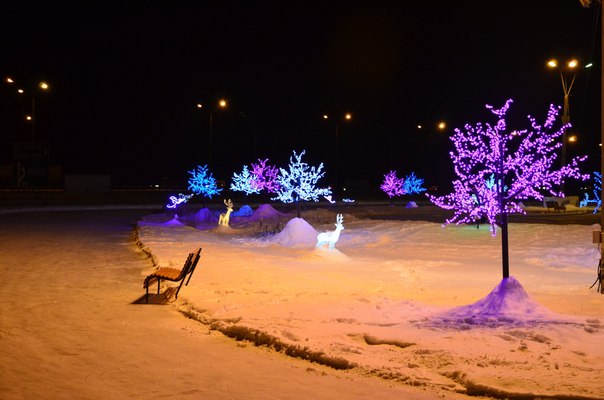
[(126, 76)]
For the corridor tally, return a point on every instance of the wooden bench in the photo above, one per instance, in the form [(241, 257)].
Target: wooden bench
[(555, 206), (173, 274)]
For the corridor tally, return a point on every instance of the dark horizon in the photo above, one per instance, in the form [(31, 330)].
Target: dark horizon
[(125, 80)]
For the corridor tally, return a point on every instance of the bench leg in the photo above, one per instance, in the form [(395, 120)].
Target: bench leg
[(158, 285), (179, 286), (147, 295)]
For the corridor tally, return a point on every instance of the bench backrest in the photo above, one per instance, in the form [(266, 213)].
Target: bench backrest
[(185, 268), (193, 260)]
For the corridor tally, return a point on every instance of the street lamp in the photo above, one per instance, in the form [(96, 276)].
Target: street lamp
[(32, 117), (346, 117), (221, 104), (568, 73)]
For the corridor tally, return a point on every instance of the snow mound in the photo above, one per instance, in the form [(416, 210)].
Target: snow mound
[(204, 215), (508, 303), (173, 222), (244, 211), (297, 232), (265, 211)]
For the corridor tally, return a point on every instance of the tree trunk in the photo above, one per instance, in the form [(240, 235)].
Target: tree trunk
[(505, 261), (503, 214)]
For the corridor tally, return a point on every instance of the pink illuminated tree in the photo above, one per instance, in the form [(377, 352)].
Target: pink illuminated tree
[(392, 185), (497, 167), (265, 176), (256, 179)]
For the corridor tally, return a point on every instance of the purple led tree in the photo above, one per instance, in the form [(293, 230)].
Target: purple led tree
[(202, 182), (392, 185), (266, 176), (300, 182), (260, 177), (496, 168)]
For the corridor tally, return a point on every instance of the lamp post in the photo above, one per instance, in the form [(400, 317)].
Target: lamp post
[(346, 118), (31, 117), (441, 126), (221, 104), (586, 4), (568, 73)]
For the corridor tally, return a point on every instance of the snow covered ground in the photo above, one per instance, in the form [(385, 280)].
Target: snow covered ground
[(406, 301)]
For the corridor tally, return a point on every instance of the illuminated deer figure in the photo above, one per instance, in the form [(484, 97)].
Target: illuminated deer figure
[(224, 217), (331, 237)]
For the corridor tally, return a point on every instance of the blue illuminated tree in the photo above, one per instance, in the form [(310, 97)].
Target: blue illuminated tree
[(202, 182), (245, 182), (394, 186), (299, 182), (597, 189), (497, 167), (412, 184)]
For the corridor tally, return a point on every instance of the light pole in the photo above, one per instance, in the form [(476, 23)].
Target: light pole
[(32, 117), (220, 105), (568, 73), (346, 118), (441, 126), (586, 4)]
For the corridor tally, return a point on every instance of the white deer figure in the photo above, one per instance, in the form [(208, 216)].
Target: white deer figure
[(224, 217), (331, 237)]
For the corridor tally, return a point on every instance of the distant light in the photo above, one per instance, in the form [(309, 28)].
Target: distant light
[(442, 126), (9, 80), (28, 117), (325, 116), (419, 127), (589, 65), (20, 91), (199, 105), (348, 116), (572, 138), (573, 63), (552, 63), (43, 85), (222, 103)]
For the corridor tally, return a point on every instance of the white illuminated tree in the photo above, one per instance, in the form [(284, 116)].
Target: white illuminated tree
[(299, 182), (245, 182)]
